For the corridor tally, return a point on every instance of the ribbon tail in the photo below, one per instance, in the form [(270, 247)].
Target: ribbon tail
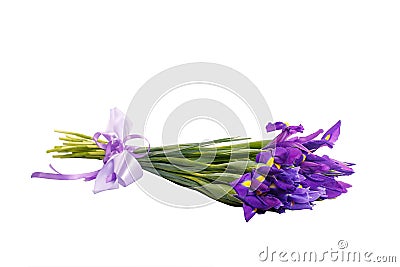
[(106, 178), (59, 176), (127, 168)]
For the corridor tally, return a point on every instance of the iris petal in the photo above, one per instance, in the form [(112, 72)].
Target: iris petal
[(333, 133)]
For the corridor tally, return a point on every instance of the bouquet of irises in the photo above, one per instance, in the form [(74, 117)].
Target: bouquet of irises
[(275, 175)]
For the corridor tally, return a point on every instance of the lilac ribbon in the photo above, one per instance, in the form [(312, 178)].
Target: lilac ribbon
[(120, 162)]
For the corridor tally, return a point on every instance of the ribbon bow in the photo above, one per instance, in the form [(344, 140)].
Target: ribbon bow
[(120, 162)]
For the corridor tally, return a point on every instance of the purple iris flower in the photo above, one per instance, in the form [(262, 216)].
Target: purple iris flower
[(289, 175)]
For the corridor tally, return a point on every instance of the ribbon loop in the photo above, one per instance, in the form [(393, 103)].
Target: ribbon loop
[(132, 149)]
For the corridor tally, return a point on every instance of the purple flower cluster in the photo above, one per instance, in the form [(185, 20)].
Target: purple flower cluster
[(289, 175)]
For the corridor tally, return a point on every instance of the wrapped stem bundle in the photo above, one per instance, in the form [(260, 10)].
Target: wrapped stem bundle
[(267, 175)]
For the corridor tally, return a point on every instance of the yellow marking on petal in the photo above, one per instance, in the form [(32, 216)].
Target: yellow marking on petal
[(300, 186), (246, 183), (286, 123), (260, 178), (304, 157), (278, 165), (272, 185), (255, 210), (270, 162), (328, 137)]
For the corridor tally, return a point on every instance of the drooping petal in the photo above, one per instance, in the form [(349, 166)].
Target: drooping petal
[(257, 183), (327, 186), (280, 155), (294, 154), (338, 166), (333, 133), (264, 170), (313, 195), (333, 189), (253, 201), (318, 177), (242, 185), (313, 167), (313, 145), (265, 157), (249, 212), (289, 175), (270, 202), (299, 206), (262, 202), (286, 187), (299, 198), (344, 186)]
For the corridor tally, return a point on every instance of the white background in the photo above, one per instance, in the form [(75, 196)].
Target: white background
[(63, 64)]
